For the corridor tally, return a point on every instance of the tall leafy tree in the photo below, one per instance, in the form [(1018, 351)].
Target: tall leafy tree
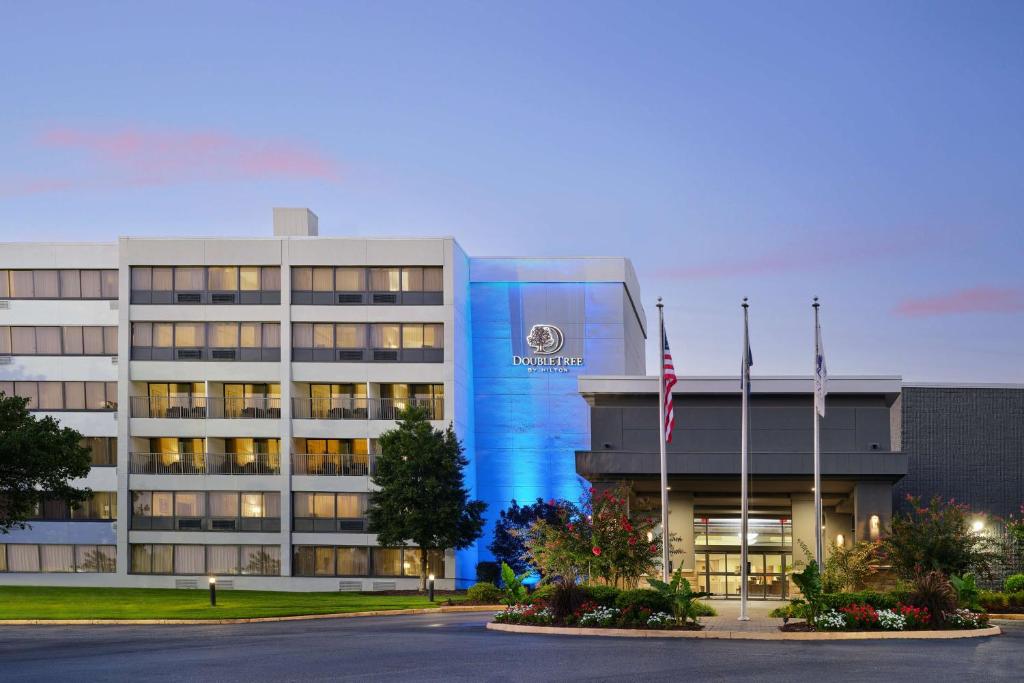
[(509, 544), (38, 458), (421, 497)]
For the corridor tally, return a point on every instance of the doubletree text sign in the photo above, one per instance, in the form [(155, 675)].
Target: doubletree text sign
[(546, 341)]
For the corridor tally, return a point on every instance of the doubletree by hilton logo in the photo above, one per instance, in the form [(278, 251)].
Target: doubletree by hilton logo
[(546, 341)]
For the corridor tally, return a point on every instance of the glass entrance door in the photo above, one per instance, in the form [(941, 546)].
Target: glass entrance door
[(719, 574)]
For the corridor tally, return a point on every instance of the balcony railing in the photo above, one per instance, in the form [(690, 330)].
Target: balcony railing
[(333, 464), (356, 408), (203, 407), (204, 463)]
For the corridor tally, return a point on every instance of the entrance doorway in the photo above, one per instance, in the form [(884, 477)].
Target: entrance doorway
[(719, 574), (769, 555)]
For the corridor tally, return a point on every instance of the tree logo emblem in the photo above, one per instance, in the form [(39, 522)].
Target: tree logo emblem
[(545, 339)]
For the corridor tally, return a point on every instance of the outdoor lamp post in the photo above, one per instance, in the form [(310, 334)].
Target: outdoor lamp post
[(430, 588), (213, 591)]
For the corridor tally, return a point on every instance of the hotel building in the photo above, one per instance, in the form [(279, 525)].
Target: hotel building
[(232, 392)]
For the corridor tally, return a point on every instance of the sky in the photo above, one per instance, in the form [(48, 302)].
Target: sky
[(868, 153)]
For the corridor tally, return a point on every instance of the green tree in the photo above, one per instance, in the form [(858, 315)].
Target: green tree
[(421, 497), (38, 458)]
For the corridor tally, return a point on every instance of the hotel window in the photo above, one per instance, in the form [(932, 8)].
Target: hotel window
[(57, 558), (102, 450), (349, 279), (329, 512), (58, 341), (99, 506), (350, 285), (64, 395), (216, 341), (210, 285), (231, 511), (380, 342), (58, 284), (341, 457)]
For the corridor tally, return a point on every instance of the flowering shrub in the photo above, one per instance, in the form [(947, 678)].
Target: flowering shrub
[(916, 617), (965, 618), (532, 615), (830, 621), (633, 616), (891, 620), (937, 536), (860, 616), (603, 538), (660, 620), (602, 617)]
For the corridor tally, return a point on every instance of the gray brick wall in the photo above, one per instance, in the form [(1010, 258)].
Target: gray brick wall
[(964, 443)]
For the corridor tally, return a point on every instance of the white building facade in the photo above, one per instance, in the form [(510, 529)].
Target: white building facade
[(232, 392)]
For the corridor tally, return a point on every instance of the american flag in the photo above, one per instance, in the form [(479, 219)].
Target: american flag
[(670, 379)]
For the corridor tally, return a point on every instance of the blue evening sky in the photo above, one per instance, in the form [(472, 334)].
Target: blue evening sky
[(870, 153)]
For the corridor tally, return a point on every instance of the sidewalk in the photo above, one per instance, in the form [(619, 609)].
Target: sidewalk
[(729, 611)]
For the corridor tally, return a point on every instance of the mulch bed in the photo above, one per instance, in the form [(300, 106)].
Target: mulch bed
[(796, 627)]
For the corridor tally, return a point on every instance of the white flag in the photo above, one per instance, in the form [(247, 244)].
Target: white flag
[(820, 373)]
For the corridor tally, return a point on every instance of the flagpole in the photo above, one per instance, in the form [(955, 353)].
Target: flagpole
[(665, 569), (744, 459), (819, 554)]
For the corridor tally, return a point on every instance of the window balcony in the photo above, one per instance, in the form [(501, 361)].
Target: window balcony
[(205, 463), (207, 407), (361, 408), (333, 464)]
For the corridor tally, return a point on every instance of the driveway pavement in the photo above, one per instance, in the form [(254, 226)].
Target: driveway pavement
[(456, 647)]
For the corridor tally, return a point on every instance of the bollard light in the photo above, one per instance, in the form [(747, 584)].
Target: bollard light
[(430, 588), (213, 591)]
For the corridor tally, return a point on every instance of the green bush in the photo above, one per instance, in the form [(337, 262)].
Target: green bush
[(703, 609), (604, 596), (796, 609), (1014, 583), (994, 601), (484, 593), (542, 593), (641, 598), (1016, 599), (877, 600)]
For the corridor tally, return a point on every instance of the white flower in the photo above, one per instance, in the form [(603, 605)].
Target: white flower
[(891, 621), (602, 616), (660, 619), (831, 621)]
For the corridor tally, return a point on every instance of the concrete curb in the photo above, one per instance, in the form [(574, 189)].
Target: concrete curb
[(745, 635), (249, 620), (1006, 617)]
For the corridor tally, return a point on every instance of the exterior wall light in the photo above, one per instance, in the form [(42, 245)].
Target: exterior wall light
[(840, 540), (874, 527), (978, 526)]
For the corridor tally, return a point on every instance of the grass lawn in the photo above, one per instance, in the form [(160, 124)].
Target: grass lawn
[(46, 602)]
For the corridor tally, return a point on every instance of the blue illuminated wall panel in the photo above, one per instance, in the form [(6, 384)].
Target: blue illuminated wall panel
[(529, 422)]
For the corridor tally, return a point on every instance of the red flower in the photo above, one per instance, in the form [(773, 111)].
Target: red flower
[(551, 502), (591, 490), (632, 540), (627, 526), (596, 551), (654, 548), (570, 527)]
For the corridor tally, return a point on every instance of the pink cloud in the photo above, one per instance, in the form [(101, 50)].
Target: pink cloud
[(139, 157), (972, 300)]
